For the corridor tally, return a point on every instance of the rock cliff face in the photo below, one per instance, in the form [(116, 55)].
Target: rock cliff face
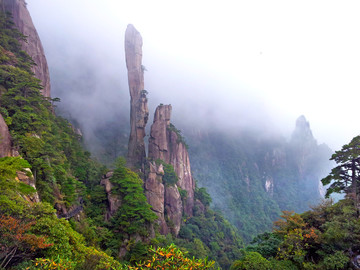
[(165, 144), (155, 194), (138, 105), (33, 45)]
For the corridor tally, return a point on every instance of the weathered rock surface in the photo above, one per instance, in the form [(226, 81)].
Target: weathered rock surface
[(155, 194), (28, 178), (32, 46), (5, 139), (139, 111), (165, 144), (173, 206), (159, 141), (114, 201), (179, 158)]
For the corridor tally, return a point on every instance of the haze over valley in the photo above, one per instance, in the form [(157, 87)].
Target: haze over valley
[(189, 135), (220, 64)]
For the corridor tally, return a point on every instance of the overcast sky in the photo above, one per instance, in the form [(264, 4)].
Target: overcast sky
[(276, 58)]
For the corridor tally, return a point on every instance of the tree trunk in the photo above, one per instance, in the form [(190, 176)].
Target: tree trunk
[(354, 184)]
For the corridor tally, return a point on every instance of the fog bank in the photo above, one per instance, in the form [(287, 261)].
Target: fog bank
[(219, 63)]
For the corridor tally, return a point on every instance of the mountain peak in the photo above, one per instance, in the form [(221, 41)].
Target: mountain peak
[(302, 130)]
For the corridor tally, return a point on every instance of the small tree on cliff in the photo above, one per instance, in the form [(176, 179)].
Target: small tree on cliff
[(344, 178)]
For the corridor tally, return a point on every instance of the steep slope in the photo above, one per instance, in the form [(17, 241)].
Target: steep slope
[(252, 177), (37, 234), (32, 45)]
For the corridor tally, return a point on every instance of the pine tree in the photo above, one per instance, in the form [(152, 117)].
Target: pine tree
[(344, 178)]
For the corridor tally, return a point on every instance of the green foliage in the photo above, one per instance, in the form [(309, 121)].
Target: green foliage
[(170, 178), (326, 237), (180, 137), (11, 188), (10, 48), (134, 216), (344, 177), (183, 193), (172, 257), (235, 167), (251, 261), (62, 170), (210, 235), (48, 143), (266, 244), (337, 261), (203, 196), (9, 166)]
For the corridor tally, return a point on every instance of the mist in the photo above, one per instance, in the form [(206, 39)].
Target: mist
[(226, 65)]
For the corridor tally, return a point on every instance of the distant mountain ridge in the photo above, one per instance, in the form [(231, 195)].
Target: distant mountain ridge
[(251, 177)]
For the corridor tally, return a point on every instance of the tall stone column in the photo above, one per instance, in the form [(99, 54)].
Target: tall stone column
[(139, 111)]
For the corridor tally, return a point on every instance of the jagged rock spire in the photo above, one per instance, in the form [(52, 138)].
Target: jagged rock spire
[(32, 46), (138, 105), (302, 132), (166, 144)]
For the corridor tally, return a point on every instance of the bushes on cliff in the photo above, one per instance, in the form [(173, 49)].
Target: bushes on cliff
[(170, 178), (135, 213), (180, 137), (134, 218), (47, 142), (10, 48)]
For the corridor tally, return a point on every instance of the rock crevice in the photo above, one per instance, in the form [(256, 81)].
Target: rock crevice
[(164, 145)]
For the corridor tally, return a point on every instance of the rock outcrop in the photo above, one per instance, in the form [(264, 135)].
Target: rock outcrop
[(32, 46), (7, 150), (28, 178), (165, 143), (155, 194), (5, 139), (138, 104), (114, 201)]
